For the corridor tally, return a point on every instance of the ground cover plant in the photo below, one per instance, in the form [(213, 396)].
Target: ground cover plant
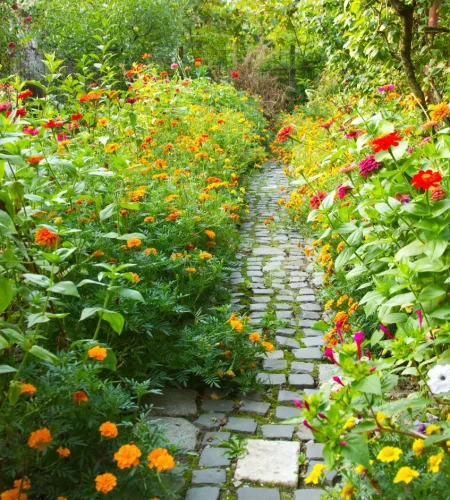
[(372, 181), (118, 209)]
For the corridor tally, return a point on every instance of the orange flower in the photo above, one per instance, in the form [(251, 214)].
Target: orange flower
[(97, 352), (46, 238), (254, 337), (102, 121), (146, 56), (109, 430), (268, 346), (236, 323), (80, 397), (160, 459), (440, 111), (97, 253), (133, 242), (135, 277), (191, 270), (39, 439), (210, 234), (149, 219), (110, 148), (150, 251), (33, 160), (127, 456), (24, 484), (205, 255), (340, 318), (63, 452), (160, 177), (172, 217), (13, 495), (104, 483), (27, 389)]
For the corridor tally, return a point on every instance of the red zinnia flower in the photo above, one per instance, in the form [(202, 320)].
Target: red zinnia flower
[(235, 74), (53, 124), (284, 133), (19, 112), (76, 116), (425, 179), (384, 142), (314, 201), (11, 45), (24, 94)]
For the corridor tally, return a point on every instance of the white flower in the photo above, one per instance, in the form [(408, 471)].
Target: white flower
[(439, 379)]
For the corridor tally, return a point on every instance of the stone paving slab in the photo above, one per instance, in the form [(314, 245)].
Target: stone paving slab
[(273, 431), (326, 372), (174, 403), (241, 425), (215, 438), (209, 476), (301, 380), (274, 364), (309, 494), (285, 396), (218, 405), (269, 462), (308, 353), (302, 367), (314, 451), (213, 457), (259, 408), (313, 341), (286, 412), (271, 378), (205, 493), (179, 431), (209, 421), (286, 343), (258, 494)]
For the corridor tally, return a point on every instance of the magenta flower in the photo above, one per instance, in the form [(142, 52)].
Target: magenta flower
[(174, 66), (372, 369), (358, 338), (343, 443), (327, 125), (306, 405), (368, 165), (342, 191), (329, 353), (420, 316), (322, 415), (5, 105), (386, 332), (427, 139), (298, 404), (385, 88), (347, 169), (338, 380), (368, 354), (338, 329), (353, 135)]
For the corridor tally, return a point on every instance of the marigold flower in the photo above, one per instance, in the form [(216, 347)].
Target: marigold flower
[(406, 475), (385, 141), (268, 346), (97, 352), (110, 148), (109, 430), (190, 270), (425, 179), (432, 429), (102, 122), (80, 397), (35, 159), (440, 111), (284, 133), (315, 474), (418, 447), (236, 323), (45, 237), (98, 253), (150, 251), (210, 234), (127, 456), (24, 484), (63, 452), (104, 483), (359, 469), (389, 454), (161, 460), (205, 255), (13, 495), (340, 318), (254, 337), (39, 439), (135, 277), (134, 242), (27, 389), (347, 492), (149, 219)]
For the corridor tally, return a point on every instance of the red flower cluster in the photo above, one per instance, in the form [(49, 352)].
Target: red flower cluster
[(384, 142), (284, 133), (314, 201), (24, 94), (53, 123), (425, 179), (235, 74)]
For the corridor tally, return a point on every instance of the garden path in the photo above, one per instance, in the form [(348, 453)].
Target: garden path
[(272, 275)]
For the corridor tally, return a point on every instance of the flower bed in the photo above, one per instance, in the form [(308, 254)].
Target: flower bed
[(373, 184)]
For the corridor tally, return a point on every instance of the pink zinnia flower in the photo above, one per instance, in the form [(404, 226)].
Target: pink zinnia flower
[(174, 66), (420, 316), (342, 190), (346, 169), (353, 135), (327, 125), (315, 200), (368, 165), (385, 88)]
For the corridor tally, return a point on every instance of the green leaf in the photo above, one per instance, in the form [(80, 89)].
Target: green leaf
[(402, 405), (394, 318), (399, 300), (343, 258), (356, 450), (37, 279), (441, 313), (108, 211), (130, 205), (435, 248), (414, 248), (115, 319), (128, 293), (43, 354), (132, 235), (87, 312), (110, 362), (65, 288), (6, 224), (6, 294), (34, 319), (431, 440), (369, 385), (431, 292), (6, 369)]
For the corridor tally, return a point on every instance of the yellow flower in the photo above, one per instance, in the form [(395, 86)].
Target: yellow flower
[(205, 255), (418, 447), (134, 242), (351, 422), (389, 454), (440, 111), (268, 346), (236, 323), (102, 122), (110, 148), (254, 337), (405, 474), (340, 247), (191, 270), (347, 491), (381, 417), (359, 469), (435, 461), (135, 277), (150, 251), (315, 474), (432, 429)]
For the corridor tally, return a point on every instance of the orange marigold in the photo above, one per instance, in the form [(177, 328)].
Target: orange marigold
[(135, 277), (63, 452), (254, 337), (210, 234), (24, 484), (46, 238), (97, 352), (104, 483), (236, 323), (13, 495), (39, 439), (33, 160), (110, 148), (191, 270), (149, 219), (150, 251), (341, 317), (268, 346), (27, 389), (160, 459), (134, 242), (97, 253), (109, 430), (127, 456), (80, 397), (440, 111)]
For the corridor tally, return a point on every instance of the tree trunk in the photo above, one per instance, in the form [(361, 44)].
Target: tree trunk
[(406, 13), (292, 66)]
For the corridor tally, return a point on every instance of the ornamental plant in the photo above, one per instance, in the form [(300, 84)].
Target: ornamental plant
[(375, 191)]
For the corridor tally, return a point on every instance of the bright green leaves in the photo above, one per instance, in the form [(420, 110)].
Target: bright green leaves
[(6, 294)]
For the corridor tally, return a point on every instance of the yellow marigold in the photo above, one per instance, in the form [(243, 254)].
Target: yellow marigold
[(432, 429), (328, 304), (340, 247), (351, 422), (341, 300), (104, 483), (102, 122), (268, 346), (150, 251), (359, 469), (110, 148), (309, 252), (160, 459), (315, 474), (109, 430), (236, 323), (205, 255), (63, 452), (80, 397), (406, 475), (134, 242), (190, 270), (434, 462), (380, 417), (347, 492), (254, 337), (149, 219), (27, 389), (160, 177), (205, 196), (135, 277), (418, 447), (127, 456), (97, 352), (13, 495), (352, 308), (24, 484), (341, 317), (39, 439), (440, 111), (389, 454), (210, 234)]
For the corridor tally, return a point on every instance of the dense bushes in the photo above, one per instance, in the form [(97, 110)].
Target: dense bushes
[(373, 182), (118, 214)]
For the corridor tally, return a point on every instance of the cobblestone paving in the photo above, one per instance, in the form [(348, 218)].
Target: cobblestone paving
[(272, 275)]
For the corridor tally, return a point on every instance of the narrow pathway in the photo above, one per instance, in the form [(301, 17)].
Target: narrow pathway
[(273, 276)]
